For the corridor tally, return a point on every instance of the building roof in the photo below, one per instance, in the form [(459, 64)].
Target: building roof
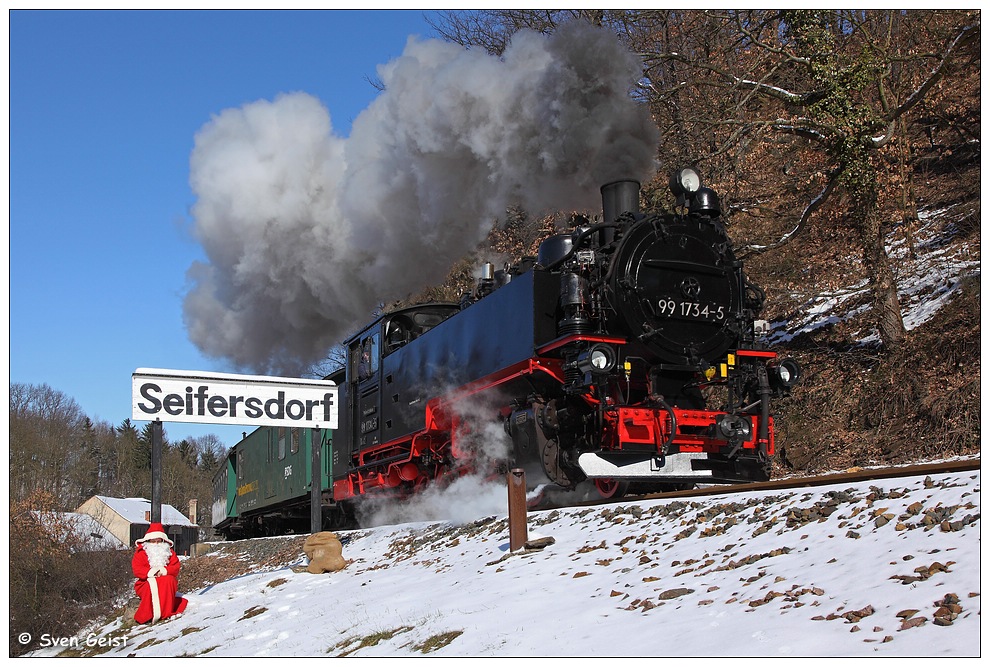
[(89, 533), (133, 511)]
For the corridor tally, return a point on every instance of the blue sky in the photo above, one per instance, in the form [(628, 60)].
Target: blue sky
[(104, 108)]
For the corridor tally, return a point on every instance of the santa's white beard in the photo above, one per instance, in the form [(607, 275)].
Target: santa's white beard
[(158, 553)]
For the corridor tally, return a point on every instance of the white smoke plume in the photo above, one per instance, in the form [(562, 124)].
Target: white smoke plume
[(306, 232), (464, 500)]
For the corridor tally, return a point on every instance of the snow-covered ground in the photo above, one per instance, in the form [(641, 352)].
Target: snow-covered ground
[(889, 568)]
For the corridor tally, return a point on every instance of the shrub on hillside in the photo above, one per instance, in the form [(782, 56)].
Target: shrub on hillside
[(56, 586)]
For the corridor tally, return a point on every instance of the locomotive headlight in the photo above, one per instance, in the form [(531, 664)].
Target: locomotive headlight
[(785, 373), (684, 181), (598, 359)]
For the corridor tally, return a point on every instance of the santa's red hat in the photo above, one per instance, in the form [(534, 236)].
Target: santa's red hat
[(155, 530)]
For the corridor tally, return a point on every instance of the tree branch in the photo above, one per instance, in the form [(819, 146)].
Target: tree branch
[(965, 36), (810, 209)]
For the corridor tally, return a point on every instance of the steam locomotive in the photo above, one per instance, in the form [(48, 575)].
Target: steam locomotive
[(626, 355)]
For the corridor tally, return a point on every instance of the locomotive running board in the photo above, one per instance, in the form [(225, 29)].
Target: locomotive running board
[(675, 465)]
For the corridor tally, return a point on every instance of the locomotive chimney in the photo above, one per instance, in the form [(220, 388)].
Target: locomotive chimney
[(618, 198)]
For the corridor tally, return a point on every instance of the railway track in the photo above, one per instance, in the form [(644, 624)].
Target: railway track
[(847, 477)]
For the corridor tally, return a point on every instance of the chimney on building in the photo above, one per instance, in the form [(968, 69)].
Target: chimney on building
[(192, 511)]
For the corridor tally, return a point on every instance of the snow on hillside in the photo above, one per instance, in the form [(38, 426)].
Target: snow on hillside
[(889, 568), (925, 282)]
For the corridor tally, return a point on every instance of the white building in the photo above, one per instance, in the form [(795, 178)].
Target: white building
[(127, 519)]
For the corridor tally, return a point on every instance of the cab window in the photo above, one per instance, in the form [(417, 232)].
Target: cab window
[(368, 357)]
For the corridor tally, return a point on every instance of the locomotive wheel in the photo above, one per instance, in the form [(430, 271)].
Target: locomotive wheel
[(611, 488), (557, 473)]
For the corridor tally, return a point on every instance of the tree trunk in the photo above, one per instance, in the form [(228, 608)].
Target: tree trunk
[(909, 204), (886, 307)]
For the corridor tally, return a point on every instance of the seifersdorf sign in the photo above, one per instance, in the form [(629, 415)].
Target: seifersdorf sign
[(222, 398)]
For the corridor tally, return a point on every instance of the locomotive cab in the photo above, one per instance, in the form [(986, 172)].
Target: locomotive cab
[(375, 402)]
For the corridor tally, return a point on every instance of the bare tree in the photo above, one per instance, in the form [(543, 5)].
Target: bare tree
[(46, 433), (828, 89), (783, 105)]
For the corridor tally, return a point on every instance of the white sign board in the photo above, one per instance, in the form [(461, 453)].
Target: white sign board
[(222, 398)]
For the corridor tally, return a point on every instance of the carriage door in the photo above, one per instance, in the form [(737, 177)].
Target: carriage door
[(366, 417)]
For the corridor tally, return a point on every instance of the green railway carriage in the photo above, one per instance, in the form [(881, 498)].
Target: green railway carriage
[(264, 486)]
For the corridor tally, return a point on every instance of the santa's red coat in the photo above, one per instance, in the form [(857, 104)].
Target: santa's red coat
[(166, 603)]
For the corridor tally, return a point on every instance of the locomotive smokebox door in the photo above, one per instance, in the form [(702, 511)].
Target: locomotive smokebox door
[(679, 289)]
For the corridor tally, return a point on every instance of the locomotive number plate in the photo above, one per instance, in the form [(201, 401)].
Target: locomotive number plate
[(694, 310)]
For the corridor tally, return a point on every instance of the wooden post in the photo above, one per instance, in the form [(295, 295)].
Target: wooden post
[(516, 481), (316, 490)]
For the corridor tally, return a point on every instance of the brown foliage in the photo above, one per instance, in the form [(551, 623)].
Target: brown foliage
[(56, 587), (856, 408)]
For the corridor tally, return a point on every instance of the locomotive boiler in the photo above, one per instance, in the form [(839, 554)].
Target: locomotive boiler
[(626, 354)]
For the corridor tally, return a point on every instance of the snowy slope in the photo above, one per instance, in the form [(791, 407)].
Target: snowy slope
[(926, 282), (847, 570)]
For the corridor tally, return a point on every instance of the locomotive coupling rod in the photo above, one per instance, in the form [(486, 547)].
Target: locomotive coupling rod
[(516, 481)]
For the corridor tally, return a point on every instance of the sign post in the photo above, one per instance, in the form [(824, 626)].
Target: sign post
[(516, 481), (156, 471), (315, 493)]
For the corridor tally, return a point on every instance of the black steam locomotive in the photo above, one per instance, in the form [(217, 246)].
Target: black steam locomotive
[(626, 354)]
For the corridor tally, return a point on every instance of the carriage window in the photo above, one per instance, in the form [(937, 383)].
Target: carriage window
[(281, 442), (294, 441)]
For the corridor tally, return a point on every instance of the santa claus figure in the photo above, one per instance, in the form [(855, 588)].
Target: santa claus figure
[(157, 569)]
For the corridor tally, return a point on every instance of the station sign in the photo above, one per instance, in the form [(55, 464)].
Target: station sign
[(223, 398)]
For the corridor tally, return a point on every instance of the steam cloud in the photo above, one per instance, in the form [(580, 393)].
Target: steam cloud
[(481, 442), (306, 232)]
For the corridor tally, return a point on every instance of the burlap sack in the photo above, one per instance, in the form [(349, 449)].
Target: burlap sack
[(324, 553)]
